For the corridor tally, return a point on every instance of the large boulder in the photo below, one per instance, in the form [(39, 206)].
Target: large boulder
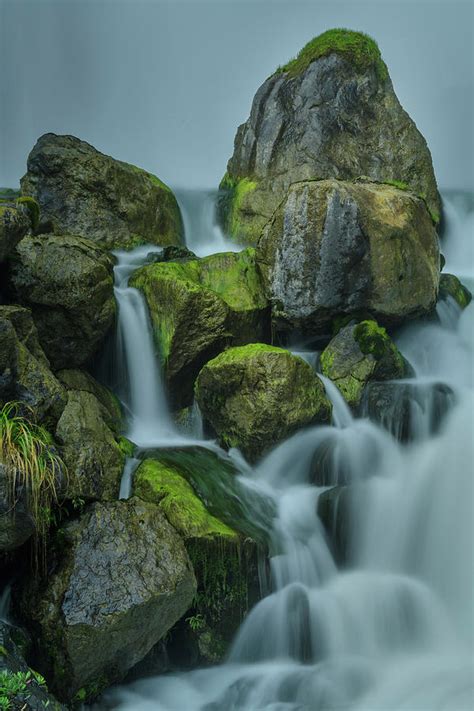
[(84, 192), (330, 113), (335, 247), (15, 223), (68, 284), (93, 458), (361, 353), (198, 307), (25, 375), (255, 396), (122, 579), (225, 563)]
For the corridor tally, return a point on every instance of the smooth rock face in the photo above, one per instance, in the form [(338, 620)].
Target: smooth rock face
[(68, 283), (15, 223), (358, 354), (84, 192), (93, 458), (123, 580), (198, 307), (255, 396), (25, 374), (111, 409), (336, 247), (332, 120)]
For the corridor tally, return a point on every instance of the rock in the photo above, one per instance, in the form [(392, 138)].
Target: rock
[(15, 223), (198, 307), (25, 375), (225, 563), (334, 508), (21, 687), (330, 113), (93, 458), (122, 580), (84, 192), (450, 286), (111, 409), (409, 411), (359, 354), (68, 284), (335, 247), (255, 396), (171, 254), (16, 522)]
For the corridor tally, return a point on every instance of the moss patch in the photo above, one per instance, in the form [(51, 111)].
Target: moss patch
[(360, 49), (232, 203), (33, 210), (159, 483), (127, 447), (450, 285)]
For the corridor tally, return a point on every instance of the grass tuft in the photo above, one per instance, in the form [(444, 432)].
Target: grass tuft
[(31, 464)]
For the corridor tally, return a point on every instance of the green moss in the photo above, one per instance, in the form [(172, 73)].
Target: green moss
[(360, 49), (159, 483), (234, 355), (127, 447), (450, 285), (152, 178), (232, 203), (234, 277), (372, 338), (33, 209), (398, 184)]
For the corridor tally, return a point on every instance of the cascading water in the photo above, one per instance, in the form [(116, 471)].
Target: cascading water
[(392, 628)]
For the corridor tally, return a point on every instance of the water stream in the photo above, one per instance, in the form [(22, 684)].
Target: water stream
[(392, 628)]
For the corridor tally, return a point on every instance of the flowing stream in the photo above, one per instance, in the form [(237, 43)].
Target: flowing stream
[(391, 627)]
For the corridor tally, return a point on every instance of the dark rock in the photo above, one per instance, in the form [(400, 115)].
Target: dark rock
[(84, 192)]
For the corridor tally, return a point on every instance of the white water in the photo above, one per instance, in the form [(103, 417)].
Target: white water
[(393, 630)]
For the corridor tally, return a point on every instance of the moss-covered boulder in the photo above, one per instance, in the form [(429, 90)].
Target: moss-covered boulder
[(255, 396), (121, 580), (68, 284), (329, 113), (21, 688), (359, 354), (25, 374), (15, 223), (84, 192), (451, 287), (335, 247), (198, 307), (74, 379), (93, 457), (225, 562)]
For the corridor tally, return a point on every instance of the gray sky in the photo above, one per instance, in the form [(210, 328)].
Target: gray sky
[(164, 84)]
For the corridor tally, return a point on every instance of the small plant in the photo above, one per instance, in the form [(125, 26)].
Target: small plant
[(31, 463), (196, 622)]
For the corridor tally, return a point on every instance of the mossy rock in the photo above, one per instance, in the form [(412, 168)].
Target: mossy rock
[(197, 308), (83, 192), (255, 396), (121, 579), (15, 223), (75, 379), (225, 563), (336, 248), (67, 282), (329, 113), (361, 353), (451, 286), (90, 451)]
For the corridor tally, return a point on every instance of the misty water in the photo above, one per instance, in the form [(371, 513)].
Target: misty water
[(392, 626)]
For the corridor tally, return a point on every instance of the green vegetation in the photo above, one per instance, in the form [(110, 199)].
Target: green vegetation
[(232, 202), (14, 684), (31, 463), (360, 49), (372, 338), (127, 447), (235, 355), (450, 286), (33, 209)]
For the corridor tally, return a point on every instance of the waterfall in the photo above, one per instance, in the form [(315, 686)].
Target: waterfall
[(392, 628)]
